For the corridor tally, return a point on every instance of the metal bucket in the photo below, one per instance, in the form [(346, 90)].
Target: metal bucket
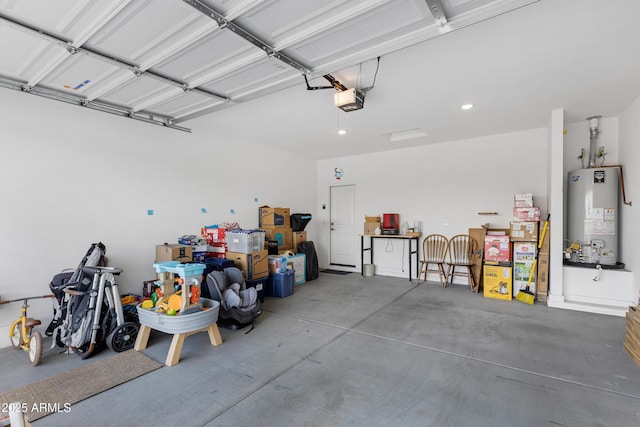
[(368, 270)]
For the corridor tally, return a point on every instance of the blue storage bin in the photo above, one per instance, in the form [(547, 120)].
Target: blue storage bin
[(280, 285)]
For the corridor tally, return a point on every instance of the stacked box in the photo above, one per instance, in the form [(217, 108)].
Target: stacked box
[(542, 284), (254, 265), (497, 280), (276, 223), (632, 337), (523, 200), (274, 217), (497, 248), (298, 263), (282, 235), (299, 237), (174, 252), (213, 234), (526, 214), (542, 277), (524, 255), (524, 231)]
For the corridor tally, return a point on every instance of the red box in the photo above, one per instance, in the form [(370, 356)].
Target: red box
[(213, 235), (497, 248), (526, 214)]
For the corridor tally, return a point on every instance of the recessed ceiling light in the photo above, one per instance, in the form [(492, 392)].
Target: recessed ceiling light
[(341, 132), (467, 106)]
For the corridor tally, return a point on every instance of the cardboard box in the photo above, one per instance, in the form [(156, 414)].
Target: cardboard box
[(542, 277), (298, 237), (545, 240), (274, 217), (370, 228), (213, 234), (478, 235), (497, 279), (497, 248), (254, 265), (524, 231), (523, 256), (372, 219), (523, 200), (632, 337), (298, 263), (283, 235), (174, 252), (526, 214)]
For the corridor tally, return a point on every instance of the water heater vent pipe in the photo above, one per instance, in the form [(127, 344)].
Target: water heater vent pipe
[(593, 137)]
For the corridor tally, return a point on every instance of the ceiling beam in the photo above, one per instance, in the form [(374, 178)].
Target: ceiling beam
[(67, 44), (105, 107), (89, 31), (224, 23), (435, 7)]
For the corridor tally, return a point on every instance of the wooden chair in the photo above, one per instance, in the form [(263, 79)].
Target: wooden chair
[(462, 252), (434, 251)]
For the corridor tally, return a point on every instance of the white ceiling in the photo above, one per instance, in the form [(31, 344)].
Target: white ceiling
[(236, 68)]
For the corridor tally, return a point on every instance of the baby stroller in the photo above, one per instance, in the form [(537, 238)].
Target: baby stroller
[(89, 311)]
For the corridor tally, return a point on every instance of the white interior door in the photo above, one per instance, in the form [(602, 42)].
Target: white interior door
[(342, 236)]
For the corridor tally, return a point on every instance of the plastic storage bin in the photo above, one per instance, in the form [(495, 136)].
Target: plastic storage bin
[(280, 285), (245, 241), (277, 263)]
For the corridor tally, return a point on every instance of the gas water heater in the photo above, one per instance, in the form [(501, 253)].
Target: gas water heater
[(593, 212)]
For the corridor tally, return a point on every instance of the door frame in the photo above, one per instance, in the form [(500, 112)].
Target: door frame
[(353, 264)]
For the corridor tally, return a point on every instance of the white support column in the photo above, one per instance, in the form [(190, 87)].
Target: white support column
[(555, 193)]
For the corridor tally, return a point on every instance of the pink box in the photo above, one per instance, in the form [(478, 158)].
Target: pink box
[(526, 214), (523, 200), (497, 248)]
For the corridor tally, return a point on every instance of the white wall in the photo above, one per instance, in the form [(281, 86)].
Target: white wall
[(444, 186), (630, 221), (71, 176)]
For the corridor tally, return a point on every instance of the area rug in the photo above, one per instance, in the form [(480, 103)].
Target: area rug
[(58, 393), (330, 271)]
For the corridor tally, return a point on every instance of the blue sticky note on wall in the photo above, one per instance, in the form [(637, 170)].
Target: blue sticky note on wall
[(232, 211), (149, 211), (203, 210)]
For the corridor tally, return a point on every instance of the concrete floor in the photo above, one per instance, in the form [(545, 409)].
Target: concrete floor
[(375, 351)]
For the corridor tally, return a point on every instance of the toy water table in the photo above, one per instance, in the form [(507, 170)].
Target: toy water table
[(193, 316)]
